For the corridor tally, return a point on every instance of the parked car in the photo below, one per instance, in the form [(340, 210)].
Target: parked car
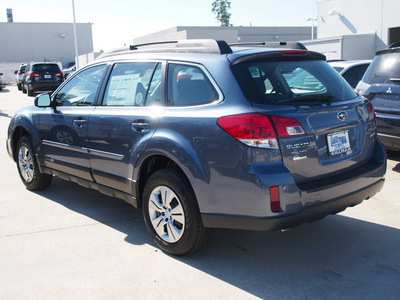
[(202, 135), (1, 82), (19, 75), (351, 70), (381, 85), (41, 76), (69, 71)]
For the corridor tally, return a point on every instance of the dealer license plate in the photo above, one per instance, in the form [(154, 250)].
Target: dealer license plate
[(338, 142), (47, 76)]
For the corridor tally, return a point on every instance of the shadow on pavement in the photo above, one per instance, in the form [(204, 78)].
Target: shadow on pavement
[(337, 257)]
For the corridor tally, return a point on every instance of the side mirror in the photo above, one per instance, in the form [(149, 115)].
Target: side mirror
[(1, 74), (16, 72), (43, 100)]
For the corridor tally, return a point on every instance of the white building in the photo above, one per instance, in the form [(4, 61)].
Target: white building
[(356, 29), (232, 34), (25, 42)]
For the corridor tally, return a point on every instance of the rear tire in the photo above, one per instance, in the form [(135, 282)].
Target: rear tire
[(171, 213), (30, 92), (28, 168), (23, 89), (19, 87)]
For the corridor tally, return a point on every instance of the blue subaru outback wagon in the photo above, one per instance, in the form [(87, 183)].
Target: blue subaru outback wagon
[(201, 135)]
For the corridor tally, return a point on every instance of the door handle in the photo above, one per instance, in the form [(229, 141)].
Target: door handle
[(140, 126), (79, 122)]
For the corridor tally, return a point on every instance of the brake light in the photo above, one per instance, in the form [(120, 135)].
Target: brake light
[(294, 52), (275, 199), (288, 127), (371, 112), (258, 130), (59, 74), (33, 74), (252, 129)]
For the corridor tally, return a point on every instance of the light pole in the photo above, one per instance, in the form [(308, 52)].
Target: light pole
[(312, 26), (75, 37)]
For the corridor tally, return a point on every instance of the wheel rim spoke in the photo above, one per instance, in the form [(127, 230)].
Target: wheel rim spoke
[(166, 214), (25, 164)]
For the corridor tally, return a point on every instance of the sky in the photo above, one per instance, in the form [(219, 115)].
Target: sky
[(118, 22)]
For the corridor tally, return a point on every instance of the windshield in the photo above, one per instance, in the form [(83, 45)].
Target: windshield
[(286, 82), (383, 68)]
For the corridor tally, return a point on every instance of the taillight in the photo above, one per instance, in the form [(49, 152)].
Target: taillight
[(33, 74), (258, 130), (288, 127), (59, 74), (19, 73), (371, 112), (252, 129)]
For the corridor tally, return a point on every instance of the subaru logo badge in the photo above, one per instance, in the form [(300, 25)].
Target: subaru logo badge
[(342, 115)]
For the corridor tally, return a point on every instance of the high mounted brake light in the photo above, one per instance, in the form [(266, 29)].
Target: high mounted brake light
[(294, 52)]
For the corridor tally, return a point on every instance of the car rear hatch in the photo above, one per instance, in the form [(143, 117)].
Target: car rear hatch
[(386, 100), (47, 72), (324, 130)]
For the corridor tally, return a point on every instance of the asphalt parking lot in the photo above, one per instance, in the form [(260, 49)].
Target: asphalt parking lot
[(68, 242)]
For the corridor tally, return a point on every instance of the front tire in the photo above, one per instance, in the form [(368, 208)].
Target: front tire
[(28, 168), (171, 213)]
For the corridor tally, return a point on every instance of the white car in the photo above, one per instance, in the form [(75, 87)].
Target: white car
[(351, 70)]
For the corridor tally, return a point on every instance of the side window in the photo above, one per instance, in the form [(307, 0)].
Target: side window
[(128, 84), (354, 75), (188, 86), (81, 89)]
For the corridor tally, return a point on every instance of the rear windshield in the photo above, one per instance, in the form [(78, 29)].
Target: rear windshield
[(51, 68), (383, 68), (289, 82)]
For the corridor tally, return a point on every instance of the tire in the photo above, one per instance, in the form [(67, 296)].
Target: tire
[(171, 214), (30, 92), (19, 87), (23, 89), (28, 168)]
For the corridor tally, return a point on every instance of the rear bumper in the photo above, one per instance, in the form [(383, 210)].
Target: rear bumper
[(44, 86), (308, 214), (299, 203)]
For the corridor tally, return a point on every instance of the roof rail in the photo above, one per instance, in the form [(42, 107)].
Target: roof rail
[(290, 45), (182, 46), (394, 45)]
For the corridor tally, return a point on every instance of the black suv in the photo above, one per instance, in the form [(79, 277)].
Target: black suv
[(381, 85), (41, 76)]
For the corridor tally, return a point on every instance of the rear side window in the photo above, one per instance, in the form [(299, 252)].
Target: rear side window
[(46, 68), (289, 82), (354, 75), (383, 68), (188, 86)]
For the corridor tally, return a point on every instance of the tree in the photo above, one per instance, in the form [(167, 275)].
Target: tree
[(220, 9)]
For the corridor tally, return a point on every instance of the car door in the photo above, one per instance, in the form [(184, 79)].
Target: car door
[(119, 128), (63, 127)]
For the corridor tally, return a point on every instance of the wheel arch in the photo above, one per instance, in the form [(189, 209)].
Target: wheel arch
[(153, 164)]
